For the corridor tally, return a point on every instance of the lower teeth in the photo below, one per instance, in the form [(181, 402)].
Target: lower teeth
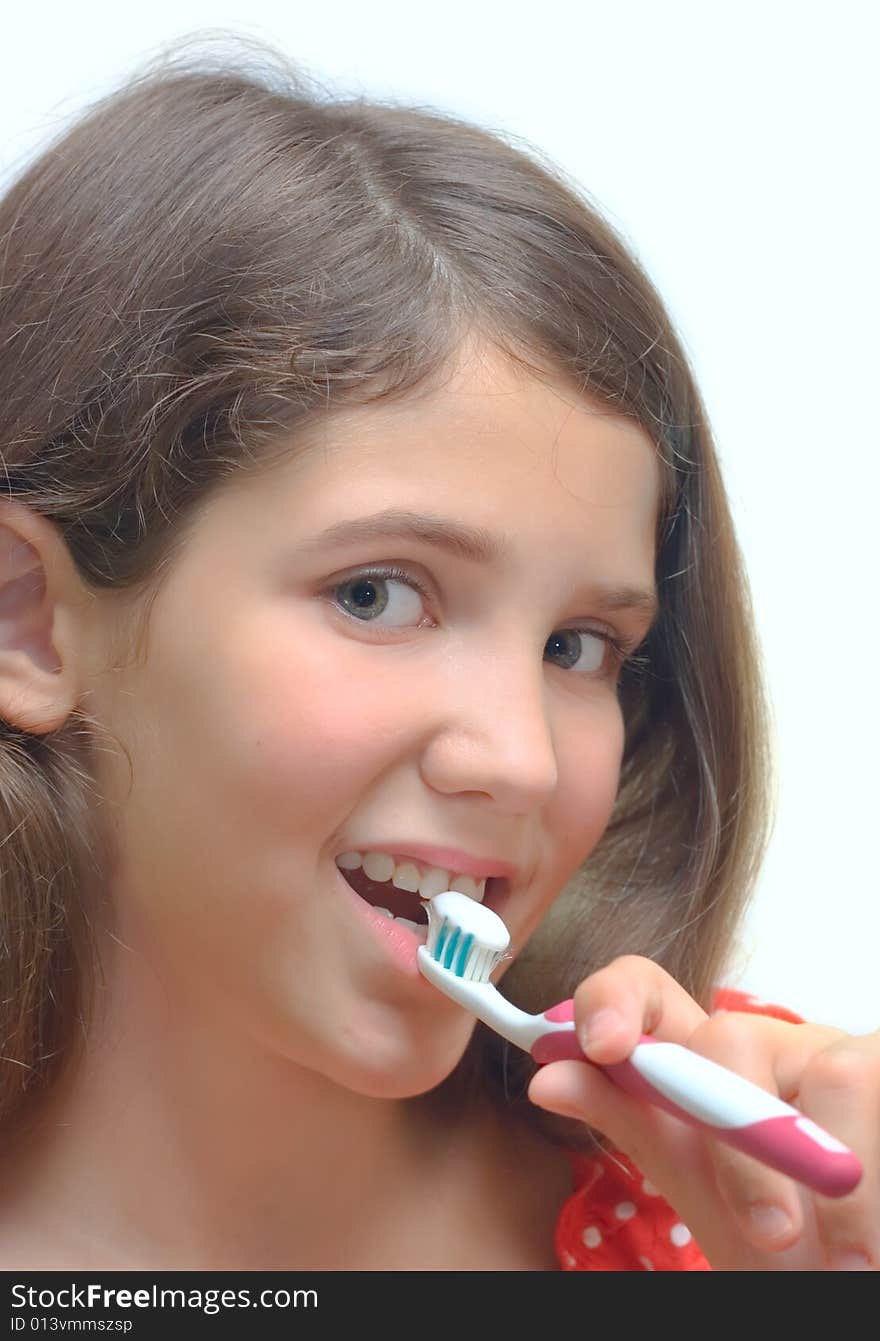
[(404, 921)]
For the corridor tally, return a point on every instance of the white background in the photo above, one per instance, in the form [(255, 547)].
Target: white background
[(735, 147)]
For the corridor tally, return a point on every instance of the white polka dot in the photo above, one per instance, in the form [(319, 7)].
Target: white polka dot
[(649, 1189), (680, 1235), (647, 1263), (592, 1237), (625, 1211), (568, 1260)]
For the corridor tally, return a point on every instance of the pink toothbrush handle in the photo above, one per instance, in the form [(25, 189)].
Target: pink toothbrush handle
[(718, 1101)]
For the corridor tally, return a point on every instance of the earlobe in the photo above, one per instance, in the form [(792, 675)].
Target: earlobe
[(40, 597)]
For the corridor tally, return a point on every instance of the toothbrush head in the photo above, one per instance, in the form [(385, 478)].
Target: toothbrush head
[(466, 941), (465, 938)]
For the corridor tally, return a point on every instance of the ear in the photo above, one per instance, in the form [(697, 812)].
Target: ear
[(43, 611)]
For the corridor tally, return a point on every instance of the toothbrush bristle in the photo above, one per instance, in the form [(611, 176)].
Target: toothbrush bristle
[(464, 937)]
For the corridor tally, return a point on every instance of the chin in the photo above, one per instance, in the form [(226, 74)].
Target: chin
[(399, 1069)]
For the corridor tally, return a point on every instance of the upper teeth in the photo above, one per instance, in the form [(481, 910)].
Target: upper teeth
[(427, 881)]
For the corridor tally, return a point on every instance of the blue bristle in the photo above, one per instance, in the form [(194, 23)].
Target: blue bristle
[(441, 938), (450, 948), (463, 955)]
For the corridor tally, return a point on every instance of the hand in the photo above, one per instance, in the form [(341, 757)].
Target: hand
[(743, 1215)]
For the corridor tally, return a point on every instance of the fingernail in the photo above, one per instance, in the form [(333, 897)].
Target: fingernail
[(850, 1261), (600, 1026), (770, 1222)]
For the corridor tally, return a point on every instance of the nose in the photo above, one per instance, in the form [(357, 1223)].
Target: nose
[(491, 731)]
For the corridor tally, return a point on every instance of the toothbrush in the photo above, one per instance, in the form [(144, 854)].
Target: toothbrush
[(465, 942)]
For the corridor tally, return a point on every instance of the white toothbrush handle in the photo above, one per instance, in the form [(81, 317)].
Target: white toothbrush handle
[(714, 1099)]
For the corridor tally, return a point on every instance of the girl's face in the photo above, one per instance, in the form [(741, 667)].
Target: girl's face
[(294, 701)]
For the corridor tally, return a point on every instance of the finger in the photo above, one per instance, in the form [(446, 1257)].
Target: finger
[(766, 1204), (658, 1145), (630, 997), (840, 1090)]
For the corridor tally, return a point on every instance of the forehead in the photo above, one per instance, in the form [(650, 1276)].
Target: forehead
[(491, 429)]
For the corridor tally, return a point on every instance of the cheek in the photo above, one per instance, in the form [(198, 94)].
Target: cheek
[(589, 776), (323, 725)]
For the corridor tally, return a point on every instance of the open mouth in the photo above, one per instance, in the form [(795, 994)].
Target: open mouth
[(401, 904), (383, 894)]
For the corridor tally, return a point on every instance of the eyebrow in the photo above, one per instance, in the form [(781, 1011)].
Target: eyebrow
[(465, 542)]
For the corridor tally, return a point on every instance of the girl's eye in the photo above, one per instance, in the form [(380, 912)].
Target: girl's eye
[(391, 592), (583, 650), (395, 597)]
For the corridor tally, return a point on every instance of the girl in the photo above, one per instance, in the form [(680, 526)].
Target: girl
[(362, 533)]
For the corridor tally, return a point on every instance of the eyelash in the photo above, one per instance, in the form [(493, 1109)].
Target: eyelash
[(621, 648)]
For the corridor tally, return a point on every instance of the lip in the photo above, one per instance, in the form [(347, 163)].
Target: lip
[(445, 858)]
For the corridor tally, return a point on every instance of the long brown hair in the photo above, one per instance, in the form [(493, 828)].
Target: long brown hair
[(214, 255)]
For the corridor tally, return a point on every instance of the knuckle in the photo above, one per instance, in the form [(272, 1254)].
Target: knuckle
[(587, 993), (620, 972), (840, 1069), (727, 1033), (634, 963)]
